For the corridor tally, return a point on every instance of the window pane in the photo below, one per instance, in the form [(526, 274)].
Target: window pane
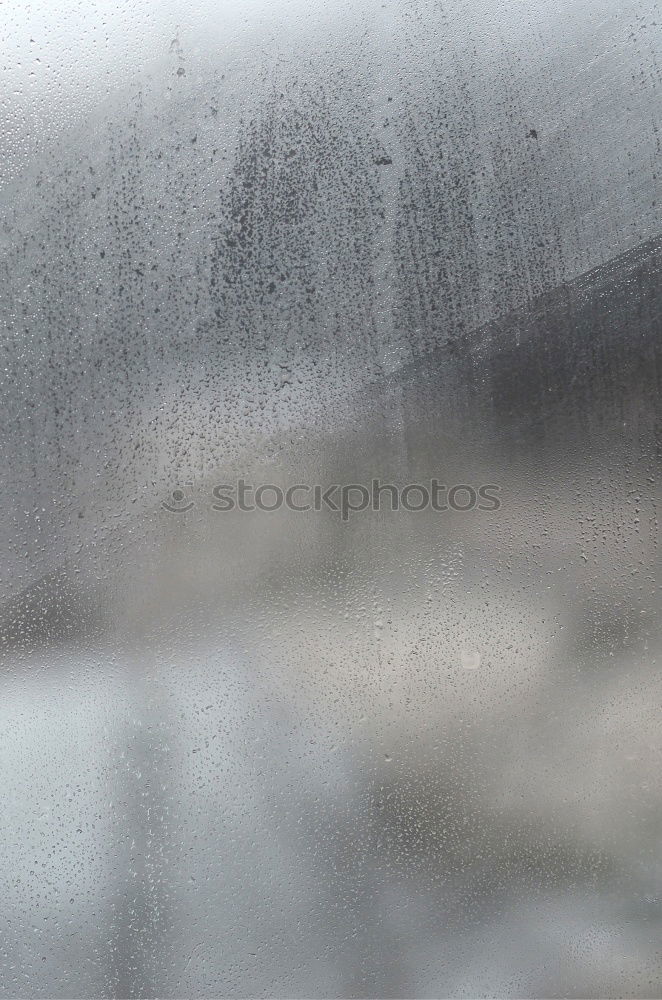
[(328, 600)]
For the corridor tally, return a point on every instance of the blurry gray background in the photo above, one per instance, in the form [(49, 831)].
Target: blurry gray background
[(243, 754)]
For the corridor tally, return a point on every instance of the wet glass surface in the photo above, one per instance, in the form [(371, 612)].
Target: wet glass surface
[(340, 751)]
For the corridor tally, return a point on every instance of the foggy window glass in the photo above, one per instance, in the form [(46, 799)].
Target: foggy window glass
[(329, 606)]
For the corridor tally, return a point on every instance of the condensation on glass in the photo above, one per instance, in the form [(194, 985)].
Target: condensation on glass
[(349, 752)]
